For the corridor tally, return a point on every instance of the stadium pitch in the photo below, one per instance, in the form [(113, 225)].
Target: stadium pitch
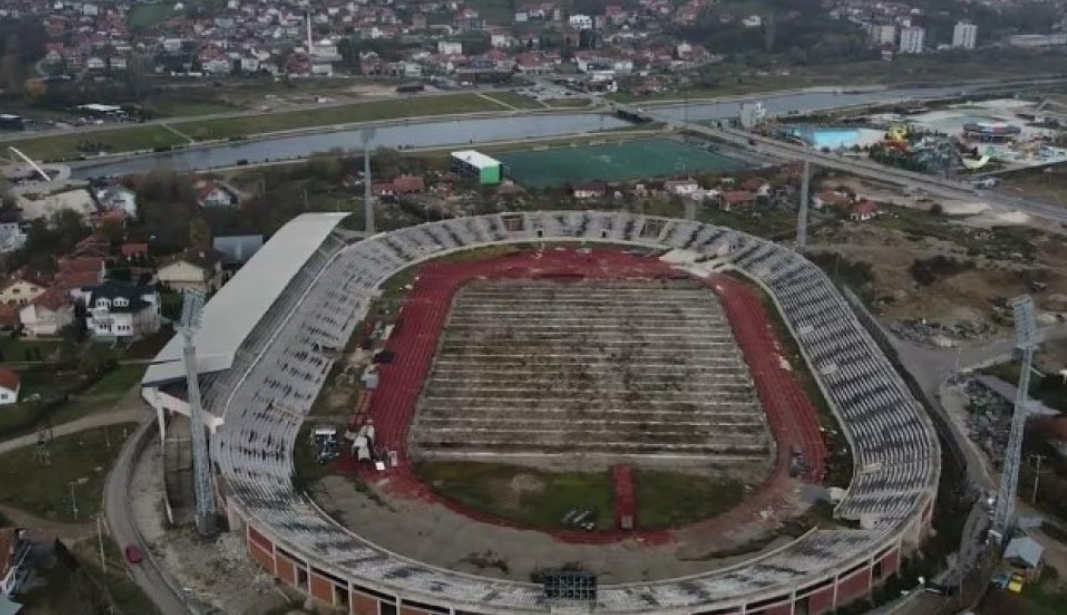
[(622, 161)]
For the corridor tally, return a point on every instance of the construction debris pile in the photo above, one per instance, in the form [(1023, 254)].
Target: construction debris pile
[(988, 420)]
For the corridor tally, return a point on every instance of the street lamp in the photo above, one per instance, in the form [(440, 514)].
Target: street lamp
[(73, 501)]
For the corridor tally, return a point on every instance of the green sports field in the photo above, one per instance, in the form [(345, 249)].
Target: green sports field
[(622, 161)]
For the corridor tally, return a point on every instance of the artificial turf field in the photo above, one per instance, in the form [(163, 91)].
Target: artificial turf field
[(622, 161)]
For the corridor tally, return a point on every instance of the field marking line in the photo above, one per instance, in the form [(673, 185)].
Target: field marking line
[(177, 132)]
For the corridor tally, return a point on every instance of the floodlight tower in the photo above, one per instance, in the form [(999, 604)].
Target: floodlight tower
[(192, 306), (1025, 341), (368, 193), (802, 214)]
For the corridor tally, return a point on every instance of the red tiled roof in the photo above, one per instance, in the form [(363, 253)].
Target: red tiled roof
[(134, 249), (735, 197), (53, 299), (9, 380)]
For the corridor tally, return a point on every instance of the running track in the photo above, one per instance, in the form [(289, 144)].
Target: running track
[(791, 417)]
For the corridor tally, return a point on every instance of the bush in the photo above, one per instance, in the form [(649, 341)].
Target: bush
[(929, 270)]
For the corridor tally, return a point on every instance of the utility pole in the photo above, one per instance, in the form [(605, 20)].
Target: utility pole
[(73, 501), (368, 193), (802, 214), (100, 540)]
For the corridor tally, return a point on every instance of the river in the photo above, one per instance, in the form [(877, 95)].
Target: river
[(481, 130)]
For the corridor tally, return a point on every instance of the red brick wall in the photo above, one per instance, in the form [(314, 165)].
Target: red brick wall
[(284, 569), (259, 539), (263, 556), (321, 588), (821, 601), (362, 604), (854, 586), (890, 563)]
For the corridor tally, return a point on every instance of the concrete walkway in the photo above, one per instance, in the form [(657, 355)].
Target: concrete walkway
[(128, 415)]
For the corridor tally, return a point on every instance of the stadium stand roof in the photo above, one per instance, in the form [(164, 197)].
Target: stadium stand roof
[(232, 312)]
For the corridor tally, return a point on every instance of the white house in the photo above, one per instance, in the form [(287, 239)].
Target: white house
[(215, 194), (119, 197), (21, 289), (9, 389), (117, 310), (196, 270), (581, 22), (14, 548), (450, 48), (48, 313)]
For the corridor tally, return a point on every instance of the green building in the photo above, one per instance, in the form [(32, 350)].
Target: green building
[(471, 163)]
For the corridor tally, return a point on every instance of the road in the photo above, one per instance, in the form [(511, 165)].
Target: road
[(65, 429), (147, 574), (861, 167)]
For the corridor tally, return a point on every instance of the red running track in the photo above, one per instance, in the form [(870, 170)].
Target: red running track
[(422, 319)]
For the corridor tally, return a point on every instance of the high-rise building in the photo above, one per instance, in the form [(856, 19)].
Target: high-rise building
[(912, 39), (964, 35), (882, 34)]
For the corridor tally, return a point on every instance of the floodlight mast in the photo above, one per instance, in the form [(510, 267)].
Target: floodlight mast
[(1025, 341), (192, 307), (368, 190), (801, 244)]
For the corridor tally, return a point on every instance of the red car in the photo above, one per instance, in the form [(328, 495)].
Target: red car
[(134, 555)]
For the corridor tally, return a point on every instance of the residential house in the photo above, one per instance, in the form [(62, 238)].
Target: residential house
[(194, 270), (10, 384), (404, 184), (589, 190), (117, 197), (863, 211), (22, 288), (831, 198), (737, 199), (134, 251), (80, 274), (48, 314), (215, 194), (14, 549), (682, 187), (120, 310), (11, 236)]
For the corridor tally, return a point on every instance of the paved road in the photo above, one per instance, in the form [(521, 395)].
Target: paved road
[(64, 429), (858, 166), (123, 531)]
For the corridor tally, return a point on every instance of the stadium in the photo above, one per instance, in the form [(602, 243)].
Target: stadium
[(269, 338)]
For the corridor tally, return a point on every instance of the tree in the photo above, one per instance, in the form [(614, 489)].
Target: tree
[(35, 89), (138, 69), (199, 234)]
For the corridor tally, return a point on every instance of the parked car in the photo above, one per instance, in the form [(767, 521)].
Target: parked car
[(134, 555)]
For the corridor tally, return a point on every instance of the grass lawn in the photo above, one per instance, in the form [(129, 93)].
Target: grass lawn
[(188, 108), (343, 114), (66, 588), (150, 137), (512, 99), (44, 489), (15, 349), (567, 103), (673, 499), (102, 396), (148, 15), (116, 140), (542, 500)]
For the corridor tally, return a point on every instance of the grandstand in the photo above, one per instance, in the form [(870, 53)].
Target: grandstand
[(271, 376)]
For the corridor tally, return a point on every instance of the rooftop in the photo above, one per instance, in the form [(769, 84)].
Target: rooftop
[(232, 313), (475, 158)]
